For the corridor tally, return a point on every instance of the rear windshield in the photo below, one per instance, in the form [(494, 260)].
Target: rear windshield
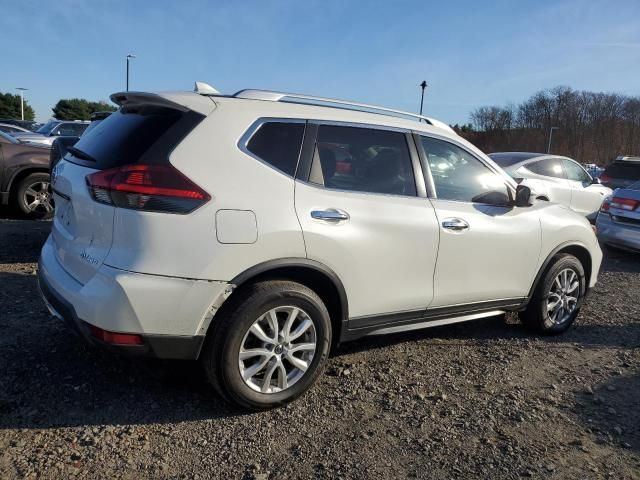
[(624, 170), (138, 133), (511, 158)]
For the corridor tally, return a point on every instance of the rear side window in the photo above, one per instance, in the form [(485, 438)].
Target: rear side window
[(363, 160), (624, 170), (278, 144), (72, 129), (550, 167), (134, 134)]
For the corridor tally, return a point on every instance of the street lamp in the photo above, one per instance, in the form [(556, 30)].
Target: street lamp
[(423, 85), (22, 89), (129, 56), (550, 137)]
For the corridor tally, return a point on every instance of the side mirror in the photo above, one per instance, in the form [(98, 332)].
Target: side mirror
[(523, 194), (596, 181)]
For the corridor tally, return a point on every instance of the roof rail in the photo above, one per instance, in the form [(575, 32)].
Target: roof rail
[(271, 96)]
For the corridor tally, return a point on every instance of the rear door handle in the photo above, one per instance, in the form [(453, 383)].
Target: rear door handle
[(332, 215), (455, 224)]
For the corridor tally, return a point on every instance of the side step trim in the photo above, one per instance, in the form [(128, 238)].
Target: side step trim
[(435, 323)]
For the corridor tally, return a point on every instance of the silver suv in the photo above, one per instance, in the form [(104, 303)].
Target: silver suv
[(255, 231)]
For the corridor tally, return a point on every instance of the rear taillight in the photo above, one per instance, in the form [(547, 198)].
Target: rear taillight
[(153, 188), (605, 178), (604, 208), (624, 203)]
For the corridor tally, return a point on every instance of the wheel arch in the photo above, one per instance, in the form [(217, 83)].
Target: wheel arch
[(315, 275), (576, 249), (22, 173)]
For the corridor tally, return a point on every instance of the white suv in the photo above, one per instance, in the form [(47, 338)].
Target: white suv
[(255, 231)]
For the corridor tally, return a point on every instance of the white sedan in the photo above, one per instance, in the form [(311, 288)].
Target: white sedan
[(556, 179)]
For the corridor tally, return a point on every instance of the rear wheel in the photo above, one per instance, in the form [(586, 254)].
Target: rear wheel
[(558, 296), (33, 196), (269, 344)]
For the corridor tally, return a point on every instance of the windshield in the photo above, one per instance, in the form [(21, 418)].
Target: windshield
[(47, 127)]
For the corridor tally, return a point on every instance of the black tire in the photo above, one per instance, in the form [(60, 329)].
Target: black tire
[(536, 317), (221, 351), (34, 182)]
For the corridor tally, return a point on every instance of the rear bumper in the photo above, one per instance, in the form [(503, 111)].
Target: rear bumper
[(170, 314), (618, 234)]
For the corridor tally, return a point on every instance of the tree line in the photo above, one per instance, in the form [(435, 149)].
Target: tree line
[(590, 127), (64, 109)]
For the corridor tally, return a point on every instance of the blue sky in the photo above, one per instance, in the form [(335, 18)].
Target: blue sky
[(472, 53)]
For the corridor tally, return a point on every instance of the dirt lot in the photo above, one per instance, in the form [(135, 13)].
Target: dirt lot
[(477, 400)]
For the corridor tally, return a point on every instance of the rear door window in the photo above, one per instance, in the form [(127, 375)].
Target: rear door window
[(549, 167), (278, 144), (134, 134), (363, 160)]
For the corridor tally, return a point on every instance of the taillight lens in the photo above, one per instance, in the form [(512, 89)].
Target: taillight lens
[(624, 203), (605, 178), (115, 338), (152, 188)]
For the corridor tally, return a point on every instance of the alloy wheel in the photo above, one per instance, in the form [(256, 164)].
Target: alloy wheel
[(563, 296), (38, 197), (277, 349)]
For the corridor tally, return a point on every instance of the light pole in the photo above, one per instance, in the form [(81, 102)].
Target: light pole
[(423, 85), (550, 137), (22, 89), (129, 56)]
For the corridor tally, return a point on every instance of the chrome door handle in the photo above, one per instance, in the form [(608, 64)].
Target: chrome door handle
[(455, 224), (330, 215)]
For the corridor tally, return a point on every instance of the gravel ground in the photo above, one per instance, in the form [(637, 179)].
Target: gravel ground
[(475, 400)]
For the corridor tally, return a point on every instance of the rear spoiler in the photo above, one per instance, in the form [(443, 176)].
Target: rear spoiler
[(182, 101)]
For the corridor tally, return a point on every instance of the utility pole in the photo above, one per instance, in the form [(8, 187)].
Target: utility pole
[(129, 57), (22, 89), (550, 137), (423, 85)]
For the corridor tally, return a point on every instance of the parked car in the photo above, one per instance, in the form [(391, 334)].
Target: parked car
[(618, 222), (60, 145), (556, 179), (24, 177), (52, 129), (211, 227), (29, 125), (11, 129), (622, 172)]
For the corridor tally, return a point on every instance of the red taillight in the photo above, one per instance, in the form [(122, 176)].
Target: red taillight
[(605, 178), (156, 188), (114, 338), (624, 203)]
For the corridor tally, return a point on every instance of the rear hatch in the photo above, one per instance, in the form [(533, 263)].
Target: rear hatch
[(137, 138), (621, 174)]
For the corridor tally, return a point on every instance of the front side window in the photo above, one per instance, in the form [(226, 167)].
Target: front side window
[(363, 160), (576, 172), (459, 176), (549, 167), (278, 144)]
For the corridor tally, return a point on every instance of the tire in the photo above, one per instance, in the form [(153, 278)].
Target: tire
[(538, 316), (231, 334), (33, 196)]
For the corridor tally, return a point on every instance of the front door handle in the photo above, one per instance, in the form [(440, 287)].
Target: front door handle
[(455, 224), (332, 215)]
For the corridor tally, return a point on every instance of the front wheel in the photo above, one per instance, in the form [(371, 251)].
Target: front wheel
[(268, 345), (558, 296)]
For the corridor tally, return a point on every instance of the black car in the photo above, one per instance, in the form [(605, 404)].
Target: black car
[(621, 173)]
